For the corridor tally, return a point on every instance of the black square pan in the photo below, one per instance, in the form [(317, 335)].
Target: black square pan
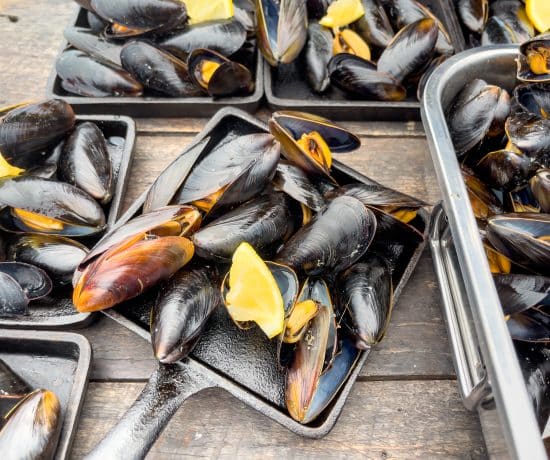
[(56, 361), (57, 311), (244, 364), (287, 89), (155, 107)]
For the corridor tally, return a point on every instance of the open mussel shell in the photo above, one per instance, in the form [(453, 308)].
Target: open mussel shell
[(45, 206), (523, 238), (518, 292), (318, 53), (225, 37), (521, 200), (294, 182), (182, 310), (57, 256), (32, 427), (505, 169), (93, 44), (529, 133), (281, 29), (288, 127), (25, 132), (374, 26), (365, 298), (12, 389), (332, 241), (474, 14), (264, 222), (13, 301), (409, 50), (483, 200), (83, 75), (144, 15), (217, 75), (85, 162), (129, 269), (33, 280), (534, 98), (360, 77), (534, 59), (540, 187), (157, 69), (530, 325)]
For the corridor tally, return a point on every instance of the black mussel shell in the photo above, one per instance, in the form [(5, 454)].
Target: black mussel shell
[(518, 292), (365, 298), (332, 241), (427, 73), (32, 427), (93, 44), (86, 4), (228, 78), (523, 238), (83, 75), (540, 187), (264, 222), (294, 182), (505, 169), (26, 132), (69, 210), (513, 14), (12, 389), (497, 32), (534, 98), (157, 69), (409, 50), (316, 9), (244, 12), (57, 256), (521, 200), (359, 77), (318, 53), (281, 29), (225, 37), (96, 24), (474, 14), (529, 133), (144, 15), (33, 280), (13, 301), (530, 326), (374, 26), (534, 59), (483, 200), (85, 162), (183, 308)]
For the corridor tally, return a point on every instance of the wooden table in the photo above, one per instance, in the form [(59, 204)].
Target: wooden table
[(404, 404)]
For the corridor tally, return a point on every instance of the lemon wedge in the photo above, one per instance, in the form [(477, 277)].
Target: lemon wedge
[(253, 292), (538, 12), (208, 10), (340, 13)]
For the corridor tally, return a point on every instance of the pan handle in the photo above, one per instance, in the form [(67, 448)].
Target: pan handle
[(134, 434), (472, 375)]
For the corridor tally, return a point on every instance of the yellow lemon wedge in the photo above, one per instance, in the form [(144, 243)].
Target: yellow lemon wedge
[(340, 13), (538, 12), (253, 292), (209, 10), (8, 170)]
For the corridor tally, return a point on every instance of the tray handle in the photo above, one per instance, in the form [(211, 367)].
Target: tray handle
[(471, 373), (134, 434)]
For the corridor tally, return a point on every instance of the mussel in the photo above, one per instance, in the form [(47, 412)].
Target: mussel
[(531, 325), (518, 292), (534, 98), (513, 14), (281, 29), (34, 281), (26, 132), (85, 162), (264, 222), (497, 32), (13, 301), (534, 59), (126, 270), (374, 26), (294, 182), (483, 200), (12, 389), (505, 169), (474, 14), (39, 205), (528, 133), (217, 75), (97, 25), (540, 187), (32, 428), (184, 305), (347, 41), (157, 69), (83, 75), (332, 241), (318, 53), (95, 45)]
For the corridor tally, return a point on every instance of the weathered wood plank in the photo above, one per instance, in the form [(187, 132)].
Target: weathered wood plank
[(380, 420)]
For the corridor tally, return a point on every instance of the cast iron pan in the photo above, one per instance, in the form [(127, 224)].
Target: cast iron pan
[(56, 310), (287, 89), (160, 107), (56, 361), (242, 363)]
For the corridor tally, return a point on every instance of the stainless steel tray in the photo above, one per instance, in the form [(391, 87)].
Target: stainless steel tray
[(484, 355)]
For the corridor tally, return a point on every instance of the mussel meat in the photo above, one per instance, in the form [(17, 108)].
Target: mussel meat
[(534, 59)]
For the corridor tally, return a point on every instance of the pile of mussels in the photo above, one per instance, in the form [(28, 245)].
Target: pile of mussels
[(145, 47), (334, 250), (30, 419), (56, 181), (383, 48), (503, 144), (495, 22)]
